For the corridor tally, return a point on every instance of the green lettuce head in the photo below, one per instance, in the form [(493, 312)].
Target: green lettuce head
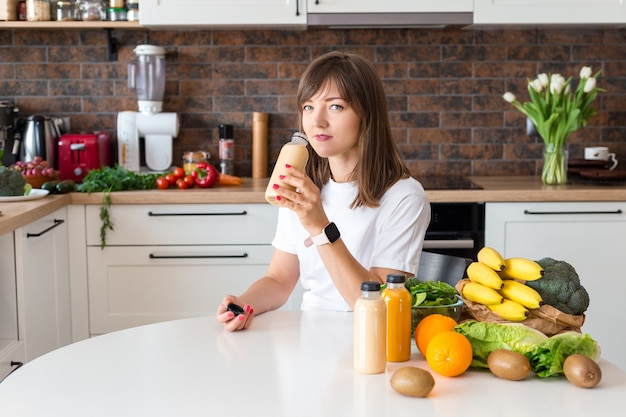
[(547, 357), (486, 337)]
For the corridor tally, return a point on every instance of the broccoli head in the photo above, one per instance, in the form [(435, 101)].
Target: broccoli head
[(560, 287), (12, 183)]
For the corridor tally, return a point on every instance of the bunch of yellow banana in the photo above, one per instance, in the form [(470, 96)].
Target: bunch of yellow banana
[(494, 284)]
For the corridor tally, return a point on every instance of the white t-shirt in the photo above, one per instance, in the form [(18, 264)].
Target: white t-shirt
[(388, 236)]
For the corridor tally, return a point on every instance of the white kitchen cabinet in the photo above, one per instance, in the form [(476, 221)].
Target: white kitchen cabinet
[(166, 262), (43, 288), (218, 13), (548, 12), (11, 347), (389, 6), (390, 13), (131, 286), (589, 236)]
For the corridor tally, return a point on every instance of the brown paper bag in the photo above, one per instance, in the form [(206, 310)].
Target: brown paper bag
[(546, 318)]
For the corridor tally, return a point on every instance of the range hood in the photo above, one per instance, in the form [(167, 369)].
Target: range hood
[(388, 20)]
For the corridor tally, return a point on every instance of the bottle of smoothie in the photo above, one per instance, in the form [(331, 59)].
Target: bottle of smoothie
[(293, 153), (370, 329), (398, 301)]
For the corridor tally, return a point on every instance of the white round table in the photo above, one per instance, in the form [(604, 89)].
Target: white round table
[(289, 364)]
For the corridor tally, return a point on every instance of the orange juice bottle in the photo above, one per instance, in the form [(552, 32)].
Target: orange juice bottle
[(398, 301)]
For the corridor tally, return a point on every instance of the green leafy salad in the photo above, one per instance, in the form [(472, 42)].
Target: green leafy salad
[(429, 293)]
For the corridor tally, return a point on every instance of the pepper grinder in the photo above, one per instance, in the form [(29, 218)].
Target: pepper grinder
[(227, 150), (259, 145)]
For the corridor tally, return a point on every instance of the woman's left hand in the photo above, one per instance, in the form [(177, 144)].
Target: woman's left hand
[(305, 201)]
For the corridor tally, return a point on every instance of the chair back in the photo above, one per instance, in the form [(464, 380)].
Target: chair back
[(439, 267)]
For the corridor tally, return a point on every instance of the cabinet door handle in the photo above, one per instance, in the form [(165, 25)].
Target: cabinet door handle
[(241, 213), (15, 365), (618, 211), (57, 222), (153, 256)]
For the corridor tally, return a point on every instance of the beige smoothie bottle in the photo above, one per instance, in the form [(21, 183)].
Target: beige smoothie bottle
[(293, 153)]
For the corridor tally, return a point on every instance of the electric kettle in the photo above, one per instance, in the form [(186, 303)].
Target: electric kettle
[(40, 138)]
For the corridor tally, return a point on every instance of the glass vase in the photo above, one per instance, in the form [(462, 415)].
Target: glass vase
[(554, 170)]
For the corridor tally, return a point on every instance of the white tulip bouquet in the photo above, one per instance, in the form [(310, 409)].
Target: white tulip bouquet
[(557, 113)]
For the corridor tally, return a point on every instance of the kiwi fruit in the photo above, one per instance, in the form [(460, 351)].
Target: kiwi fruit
[(412, 381), (582, 371), (508, 364)]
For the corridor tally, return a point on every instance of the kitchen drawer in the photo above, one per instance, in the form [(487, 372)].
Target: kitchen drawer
[(184, 224), (12, 356), (132, 286)]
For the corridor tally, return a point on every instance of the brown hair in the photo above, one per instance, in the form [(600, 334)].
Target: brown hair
[(380, 164)]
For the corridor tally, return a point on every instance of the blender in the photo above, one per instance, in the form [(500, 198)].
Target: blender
[(146, 76)]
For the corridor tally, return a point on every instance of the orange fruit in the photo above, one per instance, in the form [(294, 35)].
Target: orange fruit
[(429, 327), (449, 353)]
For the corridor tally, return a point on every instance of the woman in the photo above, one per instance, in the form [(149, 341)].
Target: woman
[(356, 199)]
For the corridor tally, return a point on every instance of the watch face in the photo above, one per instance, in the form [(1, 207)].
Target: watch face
[(332, 232)]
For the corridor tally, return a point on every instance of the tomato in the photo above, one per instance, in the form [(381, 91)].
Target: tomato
[(189, 180), (178, 172), (181, 184), (171, 179), (162, 183)]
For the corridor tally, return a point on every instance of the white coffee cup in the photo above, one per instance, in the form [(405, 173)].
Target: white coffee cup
[(601, 153)]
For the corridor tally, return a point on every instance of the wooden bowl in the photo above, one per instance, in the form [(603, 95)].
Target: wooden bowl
[(36, 181)]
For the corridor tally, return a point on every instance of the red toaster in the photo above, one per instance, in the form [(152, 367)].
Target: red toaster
[(81, 152)]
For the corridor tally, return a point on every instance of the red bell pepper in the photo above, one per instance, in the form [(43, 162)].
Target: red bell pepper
[(205, 175)]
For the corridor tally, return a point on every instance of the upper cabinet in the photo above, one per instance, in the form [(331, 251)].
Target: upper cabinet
[(227, 13), (549, 12), (405, 13), (389, 6)]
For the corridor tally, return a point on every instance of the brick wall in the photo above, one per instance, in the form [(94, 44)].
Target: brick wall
[(444, 86)]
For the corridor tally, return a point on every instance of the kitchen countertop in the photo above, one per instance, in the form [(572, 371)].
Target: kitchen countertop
[(20, 213), (513, 189), (501, 189), (289, 363)]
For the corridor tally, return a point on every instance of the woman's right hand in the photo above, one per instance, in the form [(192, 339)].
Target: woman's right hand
[(231, 321)]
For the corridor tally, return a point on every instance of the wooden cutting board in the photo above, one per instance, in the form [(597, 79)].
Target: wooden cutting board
[(603, 174)]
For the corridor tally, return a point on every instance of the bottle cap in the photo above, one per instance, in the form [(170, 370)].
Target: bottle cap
[(396, 278), (226, 131), (300, 137), (370, 286)]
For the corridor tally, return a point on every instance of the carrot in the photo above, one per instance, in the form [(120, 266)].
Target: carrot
[(225, 179)]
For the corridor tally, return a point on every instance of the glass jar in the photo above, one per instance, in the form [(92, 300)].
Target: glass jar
[(37, 10), (190, 159), (132, 13), (64, 11), (91, 11), (117, 14)]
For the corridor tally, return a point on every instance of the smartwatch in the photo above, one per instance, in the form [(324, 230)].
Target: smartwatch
[(330, 234)]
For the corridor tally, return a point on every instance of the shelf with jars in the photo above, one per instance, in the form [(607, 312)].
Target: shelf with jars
[(74, 14), (76, 24)]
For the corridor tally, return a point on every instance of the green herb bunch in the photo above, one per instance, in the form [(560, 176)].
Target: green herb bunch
[(117, 178)]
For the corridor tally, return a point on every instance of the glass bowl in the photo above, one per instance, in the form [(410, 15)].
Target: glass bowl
[(451, 310)]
